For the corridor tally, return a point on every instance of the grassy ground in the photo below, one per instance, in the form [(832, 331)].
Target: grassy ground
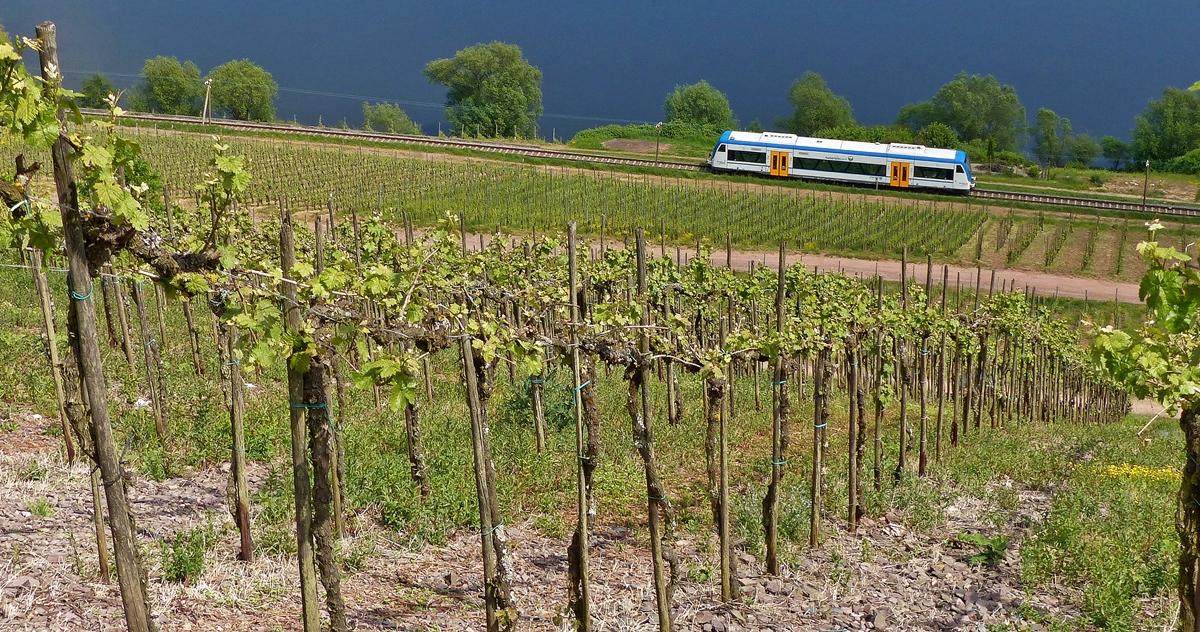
[(1102, 184), (1108, 529)]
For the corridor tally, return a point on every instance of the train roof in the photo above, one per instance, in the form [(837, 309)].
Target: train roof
[(803, 142)]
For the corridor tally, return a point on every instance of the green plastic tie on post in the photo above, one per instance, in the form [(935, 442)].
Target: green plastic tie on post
[(821, 426), (580, 387), (76, 295), (492, 530)]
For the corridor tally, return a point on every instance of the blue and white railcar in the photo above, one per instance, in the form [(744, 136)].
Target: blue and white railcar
[(895, 165)]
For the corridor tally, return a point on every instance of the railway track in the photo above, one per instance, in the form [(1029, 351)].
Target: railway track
[(1088, 203), (533, 151)]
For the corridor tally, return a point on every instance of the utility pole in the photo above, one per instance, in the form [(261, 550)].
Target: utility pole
[(1146, 186), (206, 111), (657, 137)]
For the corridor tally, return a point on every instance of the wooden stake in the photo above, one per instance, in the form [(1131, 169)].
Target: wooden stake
[(779, 425), (43, 288), (579, 589), (88, 357), (301, 485), (237, 407)]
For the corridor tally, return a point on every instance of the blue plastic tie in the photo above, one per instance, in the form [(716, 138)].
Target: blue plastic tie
[(821, 426), (234, 363), (780, 382), (492, 530), (306, 405), (76, 295), (656, 498), (150, 342), (580, 387), (536, 381), (784, 462)]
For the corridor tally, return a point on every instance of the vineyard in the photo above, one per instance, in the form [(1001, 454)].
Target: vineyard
[(528, 198), (430, 387)]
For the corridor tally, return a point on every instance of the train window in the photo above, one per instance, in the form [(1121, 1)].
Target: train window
[(748, 156), (721, 148), (959, 168), (839, 166), (933, 173)]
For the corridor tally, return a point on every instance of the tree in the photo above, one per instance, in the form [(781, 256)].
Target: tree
[(975, 107), (699, 104), (1050, 136), (1114, 150), (242, 90), (938, 134), (1168, 127), (95, 91), (1082, 149), (490, 87), (874, 134), (388, 117), (815, 107), (167, 87)]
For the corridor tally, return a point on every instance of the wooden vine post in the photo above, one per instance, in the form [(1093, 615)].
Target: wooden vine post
[(877, 432), (148, 353), (643, 440), (315, 403), (43, 288), (237, 408), (579, 589), (821, 375), (301, 486), (91, 367), (779, 423), (501, 616)]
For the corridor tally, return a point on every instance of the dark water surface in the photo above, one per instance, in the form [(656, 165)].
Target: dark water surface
[(1094, 61)]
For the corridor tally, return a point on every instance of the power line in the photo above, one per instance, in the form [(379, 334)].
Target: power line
[(359, 97)]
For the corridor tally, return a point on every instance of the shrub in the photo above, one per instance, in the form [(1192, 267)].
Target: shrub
[(183, 555)]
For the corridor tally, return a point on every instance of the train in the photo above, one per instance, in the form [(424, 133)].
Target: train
[(894, 165)]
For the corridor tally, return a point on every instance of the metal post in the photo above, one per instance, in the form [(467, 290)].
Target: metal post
[(1146, 186), (206, 111), (657, 137)]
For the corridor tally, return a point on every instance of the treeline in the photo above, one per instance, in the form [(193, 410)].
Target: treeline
[(971, 112)]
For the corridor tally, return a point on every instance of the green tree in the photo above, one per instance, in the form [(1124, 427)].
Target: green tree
[(755, 127), (1051, 135), (1115, 151), (242, 90), (874, 134), (1082, 149), (699, 104), (490, 87), (815, 107), (388, 117), (938, 134), (975, 107), (1168, 127), (95, 91), (167, 87)]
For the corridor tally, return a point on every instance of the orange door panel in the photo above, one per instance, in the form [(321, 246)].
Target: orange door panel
[(899, 174)]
